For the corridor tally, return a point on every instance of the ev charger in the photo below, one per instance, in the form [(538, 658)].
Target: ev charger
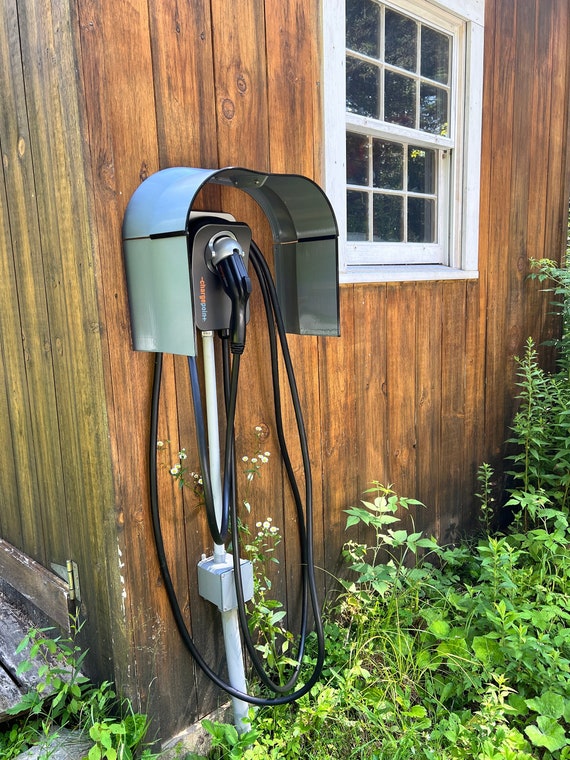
[(158, 243), (186, 271)]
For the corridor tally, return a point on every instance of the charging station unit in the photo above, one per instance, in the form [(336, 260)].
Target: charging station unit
[(187, 273)]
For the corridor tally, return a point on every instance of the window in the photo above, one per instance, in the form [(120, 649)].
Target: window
[(403, 84)]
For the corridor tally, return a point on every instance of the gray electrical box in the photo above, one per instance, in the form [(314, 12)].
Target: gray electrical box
[(158, 247), (216, 582)]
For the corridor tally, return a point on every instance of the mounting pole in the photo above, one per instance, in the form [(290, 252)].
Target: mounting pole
[(222, 563)]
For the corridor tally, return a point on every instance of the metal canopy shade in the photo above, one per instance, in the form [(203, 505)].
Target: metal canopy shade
[(305, 236)]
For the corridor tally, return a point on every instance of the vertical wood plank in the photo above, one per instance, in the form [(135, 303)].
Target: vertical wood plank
[(79, 497), (32, 361), (553, 45), (430, 355), (241, 84), (453, 408), (474, 446), (116, 70), (13, 417), (339, 392), (400, 377), (182, 45), (292, 31), (500, 82), (371, 347)]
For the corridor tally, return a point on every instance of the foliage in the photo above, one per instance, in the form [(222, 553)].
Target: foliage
[(436, 652), (64, 698), (266, 615)]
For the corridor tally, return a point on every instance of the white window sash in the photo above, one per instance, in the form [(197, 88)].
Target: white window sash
[(362, 261)]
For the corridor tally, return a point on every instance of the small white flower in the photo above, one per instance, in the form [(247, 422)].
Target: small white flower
[(273, 529), (245, 459), (254, 460), (182, 454), (258, 429), (160, 444), (266, 525), (267, 454), (175, 470), (269, 519), (258, 524)]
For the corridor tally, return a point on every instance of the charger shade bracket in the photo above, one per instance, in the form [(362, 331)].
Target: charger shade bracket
[(159, 232)]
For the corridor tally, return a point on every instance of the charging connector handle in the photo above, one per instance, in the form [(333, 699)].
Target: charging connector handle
[(227, 257)]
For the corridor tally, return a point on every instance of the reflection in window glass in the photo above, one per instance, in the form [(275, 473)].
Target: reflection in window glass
[(362, 25), (421, 220), (362, 88), (421, 170), (398, 75), (433, 109), (388, 218), (435, 55), (356, 159), (388, 164), (400, 41), (400, 99), (357, 215)]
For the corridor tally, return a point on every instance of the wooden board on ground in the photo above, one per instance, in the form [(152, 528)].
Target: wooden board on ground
[(14, 625)]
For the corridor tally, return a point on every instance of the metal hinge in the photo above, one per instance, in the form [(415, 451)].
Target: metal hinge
[(69, 573)]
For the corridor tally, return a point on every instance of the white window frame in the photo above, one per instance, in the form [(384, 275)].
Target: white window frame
[(359, 261)]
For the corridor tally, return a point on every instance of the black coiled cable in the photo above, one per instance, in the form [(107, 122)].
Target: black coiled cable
[(229, 510)]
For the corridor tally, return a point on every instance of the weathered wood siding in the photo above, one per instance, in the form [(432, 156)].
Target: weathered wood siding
[(417, 391), (55, 480)]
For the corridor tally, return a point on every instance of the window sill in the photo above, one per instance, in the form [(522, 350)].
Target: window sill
[(408, 273)]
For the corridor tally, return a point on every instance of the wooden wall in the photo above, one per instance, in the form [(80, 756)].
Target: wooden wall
[(57, 499), (417, 391)]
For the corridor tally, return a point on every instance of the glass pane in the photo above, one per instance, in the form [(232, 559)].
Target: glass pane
[(421, 220), (356, 159), (388, 165), (357, 215), (362, 27), (388, 218), (399, 99), (362, 87), (401, 41), (433, 110), (421, 170), (435, 55)]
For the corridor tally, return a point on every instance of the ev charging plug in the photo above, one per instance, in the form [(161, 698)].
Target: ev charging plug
[(226, 258)]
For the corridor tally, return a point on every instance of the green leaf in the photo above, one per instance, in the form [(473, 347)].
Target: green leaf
[(550, 704), (548, 734), (439, 628), (487, 650)]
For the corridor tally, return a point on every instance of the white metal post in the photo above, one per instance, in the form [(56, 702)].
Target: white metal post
[(230, 620)]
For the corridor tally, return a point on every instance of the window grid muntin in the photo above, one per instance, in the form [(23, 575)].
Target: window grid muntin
[(355, 122), (370, 190), (382, 66)]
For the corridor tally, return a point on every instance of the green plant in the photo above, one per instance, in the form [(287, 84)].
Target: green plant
[(225, 738), (64, 698), (440, 653), (266, 614), (487, 501), (541, 430)]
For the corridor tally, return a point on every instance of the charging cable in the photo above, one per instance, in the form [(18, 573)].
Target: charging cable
[(235, 282)]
